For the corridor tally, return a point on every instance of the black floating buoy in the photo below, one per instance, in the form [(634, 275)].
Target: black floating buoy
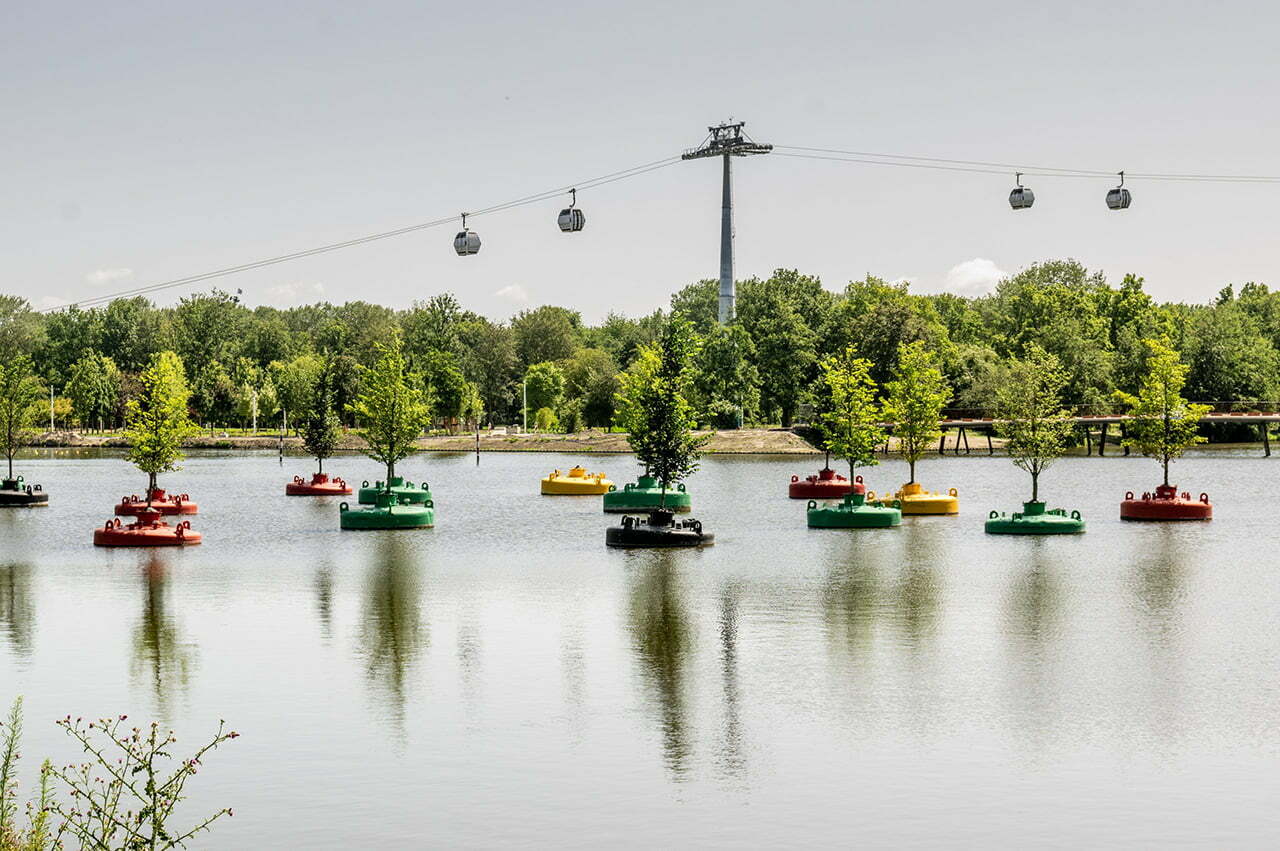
[(658, 529)]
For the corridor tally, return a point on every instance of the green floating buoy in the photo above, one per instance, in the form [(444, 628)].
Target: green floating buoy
[(644, 495), (854, 512), (368, 494), (389, 511), (1034, 519)]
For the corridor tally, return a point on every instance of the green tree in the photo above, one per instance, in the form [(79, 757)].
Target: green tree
[(294, 381), (446, 385), (591, 380), (20, 395), (851, 421), (391, 409), (914, 402), (785, 354), (157, 420), (724, 383), (21, 330), (633, 383), (662, 424), (546, 334), (321, 430), (490, 363), (544, 386), (1030, 416), (94, 389), (1162, 423)]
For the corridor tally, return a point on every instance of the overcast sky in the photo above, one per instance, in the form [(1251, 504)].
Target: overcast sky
[(146, 141)]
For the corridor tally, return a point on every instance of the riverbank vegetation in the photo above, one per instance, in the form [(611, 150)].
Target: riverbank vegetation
[(122, 795), (257, 366)]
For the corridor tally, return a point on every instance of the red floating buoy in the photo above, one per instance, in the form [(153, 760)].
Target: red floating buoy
[(1165, 504), (147, 530), (828, 484), (320, 485), (165, 504)]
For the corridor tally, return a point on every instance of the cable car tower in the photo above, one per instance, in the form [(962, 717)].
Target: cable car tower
[(728, 141)]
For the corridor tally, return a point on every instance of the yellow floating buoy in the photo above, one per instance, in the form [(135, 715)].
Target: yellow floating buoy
[(576, 482), (916, 500)]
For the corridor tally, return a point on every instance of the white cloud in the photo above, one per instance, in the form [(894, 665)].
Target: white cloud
[(106, 276), (975, 277), (296, 292), (513, 293), (48, 302)]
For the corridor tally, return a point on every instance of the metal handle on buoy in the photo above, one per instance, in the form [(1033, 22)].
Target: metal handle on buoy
[(1204, 497), (1075, 515), (952, 492), (1128, 495), (812, 503)]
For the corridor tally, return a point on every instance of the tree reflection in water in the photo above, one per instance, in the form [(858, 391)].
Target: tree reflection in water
[(17, 612), (392, 633), (663, 644), (324, 600), (917, 593), (732, 758), (159, 653)]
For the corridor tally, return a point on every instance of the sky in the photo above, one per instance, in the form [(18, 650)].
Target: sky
[(148, 141)]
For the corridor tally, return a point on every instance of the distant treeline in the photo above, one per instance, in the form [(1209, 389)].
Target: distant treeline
[(246, 364)]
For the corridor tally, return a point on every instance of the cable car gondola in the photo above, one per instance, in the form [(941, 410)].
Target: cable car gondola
[(1119, 198), (467, 242), (571, 219), (1021, 198)]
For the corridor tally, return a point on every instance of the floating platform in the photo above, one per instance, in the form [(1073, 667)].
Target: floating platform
[(399, 487), (827, 484), (644, 495), (854, 512), (16, 493), (166, 504), (320, 485), (146, 530), (576, 482), (916, 500), (388, 512), (659, 530), (1035, 520), (1166, 504)]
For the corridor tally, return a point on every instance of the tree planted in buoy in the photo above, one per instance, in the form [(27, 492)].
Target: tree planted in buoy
[(392, 408), (662, 438), (157, 420), (1036, 428), (322, 430), (20, 394), (1162, 425), (913, 403), (851, 419)]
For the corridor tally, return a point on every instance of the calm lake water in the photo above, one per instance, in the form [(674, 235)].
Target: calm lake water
[(505, 679)]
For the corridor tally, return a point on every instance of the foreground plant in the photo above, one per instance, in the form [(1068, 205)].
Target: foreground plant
[(122, 796)]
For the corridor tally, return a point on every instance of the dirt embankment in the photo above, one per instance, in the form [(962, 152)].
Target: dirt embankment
[(744, 441)]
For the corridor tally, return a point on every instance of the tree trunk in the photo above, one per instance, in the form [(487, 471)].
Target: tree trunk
[(1035, 487), (913, 472), (151, 487), (1166, 472), (320, 460), (391, 471)]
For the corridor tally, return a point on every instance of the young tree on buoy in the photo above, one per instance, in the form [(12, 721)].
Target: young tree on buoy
[(20, 392), (321, 431), (851, 417), (392, 408), (1030, 416), (914, 400), (660, 418), (157, 419), (1162, 423)]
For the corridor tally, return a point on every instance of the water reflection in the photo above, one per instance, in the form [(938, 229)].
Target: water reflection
[(1035, 606), (392, 634), (1162, 571), (17, 610), (850, 595), (917, 593), (324, 600), (160, 655), (731, 757), (663, 643)]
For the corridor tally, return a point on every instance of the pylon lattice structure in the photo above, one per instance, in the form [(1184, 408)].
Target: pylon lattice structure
[(728, 141)]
